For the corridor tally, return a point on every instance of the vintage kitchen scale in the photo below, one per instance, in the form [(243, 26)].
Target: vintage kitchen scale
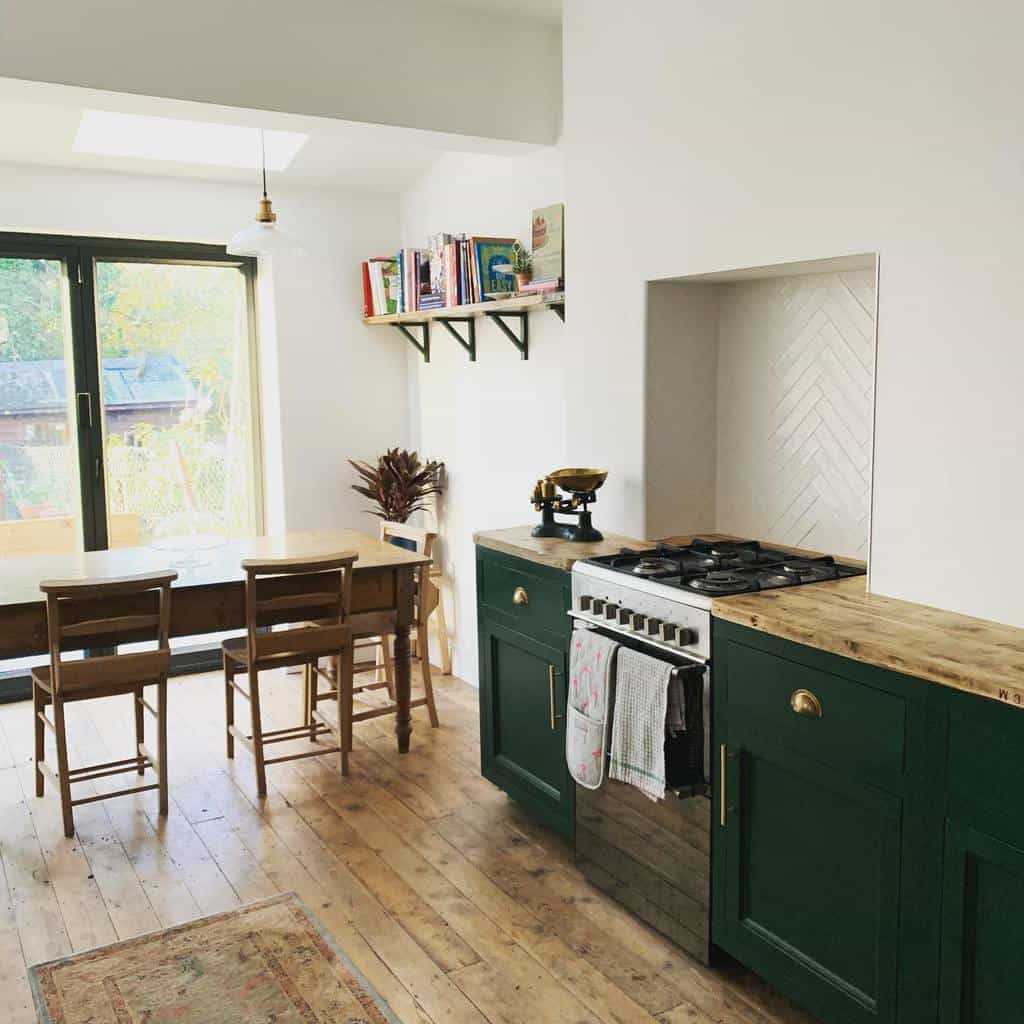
[(581, 485)]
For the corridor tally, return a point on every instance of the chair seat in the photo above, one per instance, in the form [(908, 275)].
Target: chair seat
[(41, 677), (237, 649)]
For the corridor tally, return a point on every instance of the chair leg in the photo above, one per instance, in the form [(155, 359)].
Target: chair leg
[(442, 635), (257, 734), (309, 684), (140, 727), (229, 705), (62, 766), (343, 685), (161, 710), (388, 658), (39, 708), (428, 685)]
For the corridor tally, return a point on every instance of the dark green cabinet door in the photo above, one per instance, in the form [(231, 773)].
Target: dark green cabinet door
[(812, 863), (982, 929), (522, 750)]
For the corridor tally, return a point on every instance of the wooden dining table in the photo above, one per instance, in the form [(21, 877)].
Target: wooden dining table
[(209, 594)]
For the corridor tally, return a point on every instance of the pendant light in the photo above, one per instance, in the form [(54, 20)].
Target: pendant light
[(262, 237)]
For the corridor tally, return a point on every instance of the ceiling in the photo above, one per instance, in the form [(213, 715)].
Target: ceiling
[(339, 155), (549, 11)]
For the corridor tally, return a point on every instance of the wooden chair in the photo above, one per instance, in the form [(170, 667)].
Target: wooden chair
[(293, 592), (427, 596), (99, 613)]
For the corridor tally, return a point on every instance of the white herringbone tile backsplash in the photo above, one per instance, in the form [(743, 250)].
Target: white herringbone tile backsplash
[(794, 409)]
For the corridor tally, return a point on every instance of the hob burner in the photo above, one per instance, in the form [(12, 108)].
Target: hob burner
[(795, 569), (723, 582), (653, 567)]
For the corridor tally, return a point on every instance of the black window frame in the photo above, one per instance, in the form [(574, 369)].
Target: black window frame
[(79, 255)]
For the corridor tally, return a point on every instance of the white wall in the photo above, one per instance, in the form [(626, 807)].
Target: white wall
[(331, 387), (498, 423), (482, 72), (701, 137)]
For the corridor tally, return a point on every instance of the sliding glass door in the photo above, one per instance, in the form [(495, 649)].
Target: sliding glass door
[(176, 402), (128, 398), (40, 488)]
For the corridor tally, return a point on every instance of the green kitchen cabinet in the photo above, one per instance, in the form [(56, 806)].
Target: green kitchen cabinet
[(828, 847), (983, 886), (523, 634)]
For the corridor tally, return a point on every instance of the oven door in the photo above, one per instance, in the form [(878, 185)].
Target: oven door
[(682, 663), (654, 858)]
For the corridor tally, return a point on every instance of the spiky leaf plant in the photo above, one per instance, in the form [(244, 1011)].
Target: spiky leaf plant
[(398, 484)]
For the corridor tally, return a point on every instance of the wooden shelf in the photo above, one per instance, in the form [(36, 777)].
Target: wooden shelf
[(520, 304), (500, 312)]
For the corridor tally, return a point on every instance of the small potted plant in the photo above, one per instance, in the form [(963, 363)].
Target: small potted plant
[(522, 265), (399, 484)]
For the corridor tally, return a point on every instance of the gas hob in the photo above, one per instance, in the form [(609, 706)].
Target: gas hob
[(661, 597)]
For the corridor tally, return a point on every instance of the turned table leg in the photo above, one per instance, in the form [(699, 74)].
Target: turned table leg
[(402, 655), (403, 688)]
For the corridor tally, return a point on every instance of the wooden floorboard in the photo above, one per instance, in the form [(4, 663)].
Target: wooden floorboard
[(450, 900)]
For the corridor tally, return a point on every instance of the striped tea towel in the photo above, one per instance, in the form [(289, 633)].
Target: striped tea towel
[(638, 725), (586, 727)]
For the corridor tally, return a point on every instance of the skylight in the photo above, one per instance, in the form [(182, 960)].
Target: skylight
[(106, 133)]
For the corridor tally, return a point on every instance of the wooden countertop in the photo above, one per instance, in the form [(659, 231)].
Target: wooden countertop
[(968, 654), (973, 655), (559, 554), (20, 574)]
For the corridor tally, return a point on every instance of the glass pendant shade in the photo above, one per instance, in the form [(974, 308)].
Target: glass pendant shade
[(262, 236)]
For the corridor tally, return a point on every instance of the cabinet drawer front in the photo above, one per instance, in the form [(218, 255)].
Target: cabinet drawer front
[(533, 602), (858, 727)]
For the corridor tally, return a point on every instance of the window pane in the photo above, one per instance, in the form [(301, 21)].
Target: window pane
[(40, 504), (177, 401)]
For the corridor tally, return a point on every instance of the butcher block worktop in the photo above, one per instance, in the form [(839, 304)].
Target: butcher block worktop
[(552, 551), (967, 654), (973, 655)]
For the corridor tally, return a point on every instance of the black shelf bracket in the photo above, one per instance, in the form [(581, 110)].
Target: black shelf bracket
[(423, 347), (469, 342), (559, 310), (522, 340)]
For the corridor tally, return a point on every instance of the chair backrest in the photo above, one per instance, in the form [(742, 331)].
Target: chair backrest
[(101, 613), (423, 539), (427, 593), (316, 592)]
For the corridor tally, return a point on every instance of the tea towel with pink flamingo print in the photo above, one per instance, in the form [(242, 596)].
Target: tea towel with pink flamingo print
[(591, 661)]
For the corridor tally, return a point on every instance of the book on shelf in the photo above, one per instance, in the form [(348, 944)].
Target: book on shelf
[(488, 255), (384, 284), (548, 242)]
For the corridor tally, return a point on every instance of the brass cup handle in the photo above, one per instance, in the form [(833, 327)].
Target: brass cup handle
[(520, 596), (551, 695), (803, 702)]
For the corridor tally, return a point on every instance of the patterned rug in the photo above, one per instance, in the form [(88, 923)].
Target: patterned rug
[(267, 963)]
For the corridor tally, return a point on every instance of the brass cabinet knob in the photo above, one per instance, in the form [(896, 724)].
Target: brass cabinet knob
[(520, 596), (803, 702)]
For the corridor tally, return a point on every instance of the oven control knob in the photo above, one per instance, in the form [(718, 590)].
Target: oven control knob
[(653, 626), (610, 610), (668, 632), (598, 606), (637, 621), (686, 637), (585, 602), (624, 616)]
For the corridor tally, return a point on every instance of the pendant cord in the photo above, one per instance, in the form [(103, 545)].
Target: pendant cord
[(263, 161)]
